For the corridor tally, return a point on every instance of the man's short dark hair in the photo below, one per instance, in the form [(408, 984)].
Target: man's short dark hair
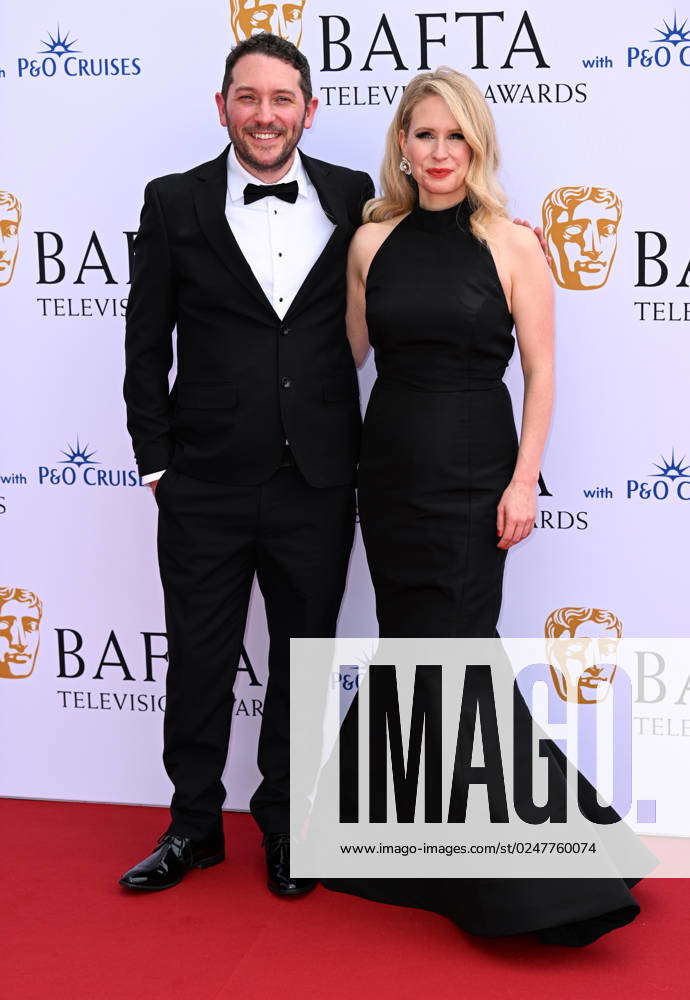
[(268, 44)]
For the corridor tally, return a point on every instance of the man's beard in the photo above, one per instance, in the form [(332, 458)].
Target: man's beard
[(244, 153)]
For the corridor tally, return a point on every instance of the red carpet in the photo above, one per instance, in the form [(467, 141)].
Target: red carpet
[(71, 932)]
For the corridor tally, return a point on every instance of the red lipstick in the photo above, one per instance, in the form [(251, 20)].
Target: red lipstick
[(439, 172)]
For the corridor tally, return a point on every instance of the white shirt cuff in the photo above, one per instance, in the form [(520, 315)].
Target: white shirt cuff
[(152, 477)]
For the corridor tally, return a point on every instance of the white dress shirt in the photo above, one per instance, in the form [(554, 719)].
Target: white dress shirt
[(280, 241)]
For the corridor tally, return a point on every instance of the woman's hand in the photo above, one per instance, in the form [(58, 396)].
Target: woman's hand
[(516, 512)]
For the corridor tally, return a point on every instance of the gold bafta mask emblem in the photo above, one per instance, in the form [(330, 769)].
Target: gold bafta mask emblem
[(20, 620), (581, 229), (10, 217), (250, 17), (582, 649)]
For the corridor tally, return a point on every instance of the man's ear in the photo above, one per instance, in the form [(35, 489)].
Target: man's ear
[(310, 112), (220, 104)]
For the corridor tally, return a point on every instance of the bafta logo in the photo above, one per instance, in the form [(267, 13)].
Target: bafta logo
[(20, 621), (582, 649), (581, 229), (249, 17), (10, 217)]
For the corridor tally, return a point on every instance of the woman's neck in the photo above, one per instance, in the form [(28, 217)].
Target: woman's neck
[(433, 202)]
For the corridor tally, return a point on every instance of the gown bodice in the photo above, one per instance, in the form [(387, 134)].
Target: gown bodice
[(436, 311)]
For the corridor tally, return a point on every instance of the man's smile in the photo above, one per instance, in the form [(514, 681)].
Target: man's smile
[(264, 136)]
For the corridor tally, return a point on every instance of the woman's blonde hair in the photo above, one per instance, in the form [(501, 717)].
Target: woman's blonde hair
[(469, 108)]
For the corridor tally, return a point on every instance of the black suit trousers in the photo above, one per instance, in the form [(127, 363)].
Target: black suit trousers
[(212, 540)]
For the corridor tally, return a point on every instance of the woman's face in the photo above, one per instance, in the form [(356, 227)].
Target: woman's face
[(437, 151)]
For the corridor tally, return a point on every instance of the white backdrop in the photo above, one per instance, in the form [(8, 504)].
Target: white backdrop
[(590, 100)]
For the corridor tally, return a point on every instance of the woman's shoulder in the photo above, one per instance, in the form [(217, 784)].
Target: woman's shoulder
[(511, 237), (374, 230), (370, 235)]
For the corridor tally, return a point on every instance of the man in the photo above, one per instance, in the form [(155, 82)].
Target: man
[(254, 451)]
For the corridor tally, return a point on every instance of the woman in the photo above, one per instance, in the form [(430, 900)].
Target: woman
[(437, 278)]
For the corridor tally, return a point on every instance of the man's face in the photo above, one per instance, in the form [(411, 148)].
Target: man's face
[(584, 665), (250, 17), (19, 635), (582, 243), (265, 113), (9, 242)]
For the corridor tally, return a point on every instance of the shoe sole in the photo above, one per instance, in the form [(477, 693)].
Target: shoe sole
[(207, 863), (288, 893)]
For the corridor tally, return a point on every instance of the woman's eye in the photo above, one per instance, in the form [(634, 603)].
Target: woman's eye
[(427, 135)]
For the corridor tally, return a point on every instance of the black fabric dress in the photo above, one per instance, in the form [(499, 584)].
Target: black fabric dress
[(439, 448), (439, 443)]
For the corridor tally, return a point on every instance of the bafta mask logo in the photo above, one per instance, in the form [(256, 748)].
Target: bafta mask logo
[(582, 648), (250, 17), (20, 620), (581, 229), (10, 217)]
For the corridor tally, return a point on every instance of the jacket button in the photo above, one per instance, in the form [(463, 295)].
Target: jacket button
[(286, 382), (284, 330)]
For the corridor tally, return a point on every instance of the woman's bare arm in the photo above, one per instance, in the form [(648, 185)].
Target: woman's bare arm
[(363, 248), (527, 282), (355, 317)]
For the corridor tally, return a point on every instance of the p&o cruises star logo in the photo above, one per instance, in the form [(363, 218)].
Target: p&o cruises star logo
[(673, 35), (673, 469), (60, 57), (58, 46), (665, 51), (78, 456), (80, 467), (672, 481)]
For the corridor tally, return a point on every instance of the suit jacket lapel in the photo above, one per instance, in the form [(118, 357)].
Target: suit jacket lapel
[(335, 209), (209, 199), (330, 197)]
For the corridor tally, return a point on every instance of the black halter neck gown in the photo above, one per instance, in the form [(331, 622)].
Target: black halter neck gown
[(439, 444), (439, 448)]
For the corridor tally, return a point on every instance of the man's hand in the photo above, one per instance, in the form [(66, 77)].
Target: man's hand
[(154, 482), (538, 232)]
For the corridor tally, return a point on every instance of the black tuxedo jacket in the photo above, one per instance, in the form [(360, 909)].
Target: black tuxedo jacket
[(246, 380)]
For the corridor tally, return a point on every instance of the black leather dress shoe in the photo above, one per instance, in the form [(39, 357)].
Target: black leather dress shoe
[(277, 847), (170, 862)]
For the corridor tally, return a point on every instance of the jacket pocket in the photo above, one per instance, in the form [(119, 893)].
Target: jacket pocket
[(164, 479)]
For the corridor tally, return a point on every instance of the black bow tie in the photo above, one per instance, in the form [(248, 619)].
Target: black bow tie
[(287, 192)]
